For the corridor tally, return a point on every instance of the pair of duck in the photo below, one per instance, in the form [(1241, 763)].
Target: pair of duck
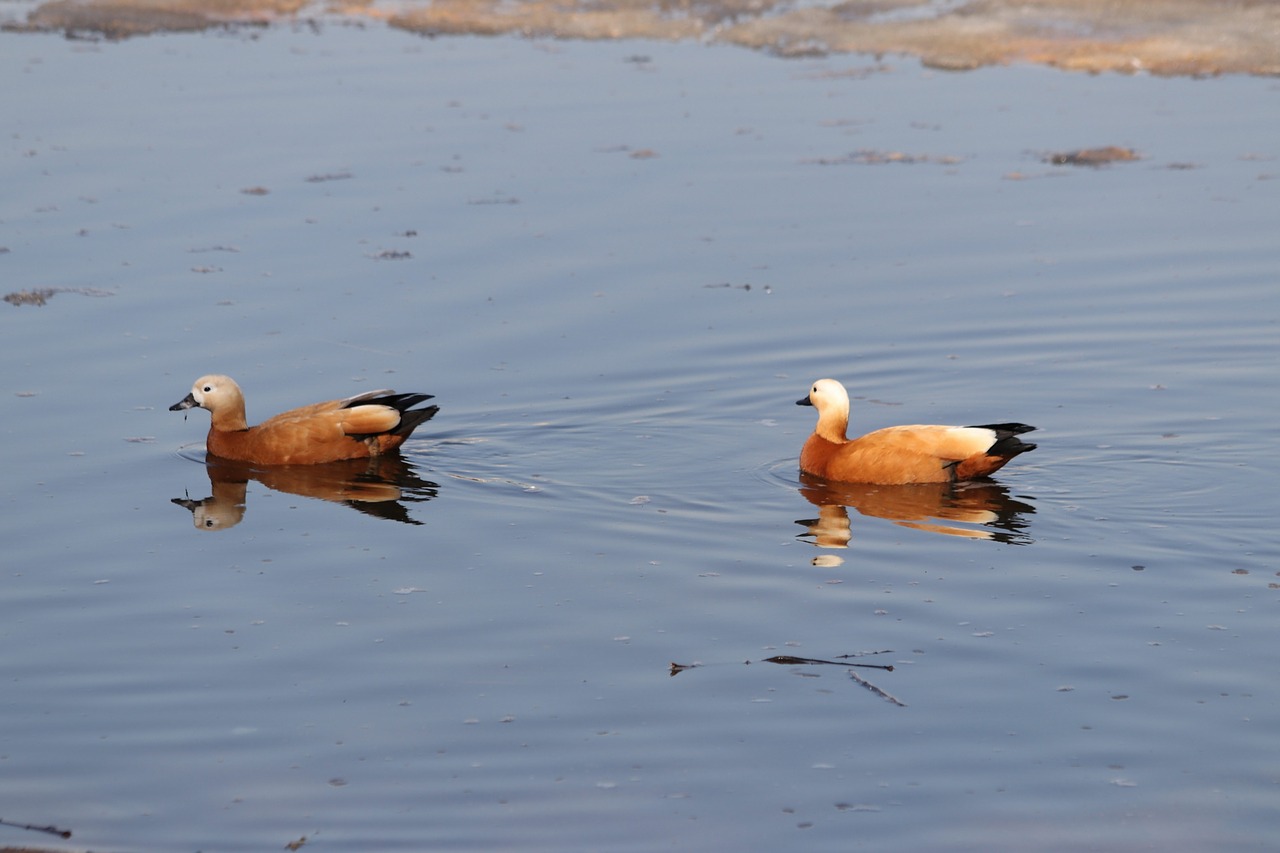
[(378, 422)]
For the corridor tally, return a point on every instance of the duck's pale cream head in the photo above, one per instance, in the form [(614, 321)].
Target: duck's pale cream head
[(827, 395), (832, 402), (208, 392)]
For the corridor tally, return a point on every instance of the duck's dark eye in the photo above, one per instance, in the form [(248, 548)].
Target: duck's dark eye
[(207, 389)]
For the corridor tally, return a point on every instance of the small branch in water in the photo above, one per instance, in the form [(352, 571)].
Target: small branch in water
[(840, 660), (876, 690), (52, 830), (794, 661)]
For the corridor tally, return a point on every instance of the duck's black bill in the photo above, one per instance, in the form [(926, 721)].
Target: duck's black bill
[(187, 402)]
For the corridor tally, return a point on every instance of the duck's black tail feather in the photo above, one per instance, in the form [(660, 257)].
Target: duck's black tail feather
[(1007, 442), (410, 418)]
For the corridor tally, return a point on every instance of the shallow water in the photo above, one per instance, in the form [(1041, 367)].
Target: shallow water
[(616, 266)]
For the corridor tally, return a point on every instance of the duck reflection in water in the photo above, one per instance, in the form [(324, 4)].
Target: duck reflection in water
[(378, 486), (974, 509)]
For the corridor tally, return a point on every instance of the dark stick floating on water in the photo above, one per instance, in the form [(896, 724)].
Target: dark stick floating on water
[(840, 660), (791, 660), (52, 830)]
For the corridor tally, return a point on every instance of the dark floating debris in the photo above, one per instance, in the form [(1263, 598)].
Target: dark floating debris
[(839, 660), (725, 285), (790, 660), (888, 697), (52, 830)]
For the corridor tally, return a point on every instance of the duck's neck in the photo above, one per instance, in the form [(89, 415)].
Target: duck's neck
[(229, 420), (832, 426)]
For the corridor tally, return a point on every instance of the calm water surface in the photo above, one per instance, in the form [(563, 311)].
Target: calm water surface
[(617, 266)]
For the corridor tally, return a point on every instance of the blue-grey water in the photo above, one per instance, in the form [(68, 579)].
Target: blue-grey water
[(617, 265)]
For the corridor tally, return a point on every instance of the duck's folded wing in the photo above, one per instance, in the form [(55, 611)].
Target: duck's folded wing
[(316, 409), (927, 440), (367, 420)]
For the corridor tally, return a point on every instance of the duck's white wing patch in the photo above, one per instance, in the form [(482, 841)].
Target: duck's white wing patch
[(964, 442)]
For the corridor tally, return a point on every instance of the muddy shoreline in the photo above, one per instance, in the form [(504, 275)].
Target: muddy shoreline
[(1161, 37)]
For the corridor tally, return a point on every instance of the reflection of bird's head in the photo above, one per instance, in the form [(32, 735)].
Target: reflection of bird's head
[(213, 514), (831, 529)]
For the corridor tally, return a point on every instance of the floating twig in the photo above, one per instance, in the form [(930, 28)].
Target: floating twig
[(52, 830), (789, 660), (876, 690), (840, 660), (792, 660)]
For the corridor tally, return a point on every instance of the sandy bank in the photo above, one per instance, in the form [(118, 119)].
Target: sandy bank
[(1165, 37)]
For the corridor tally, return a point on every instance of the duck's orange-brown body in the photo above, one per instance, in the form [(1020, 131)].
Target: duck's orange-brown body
[(358, 427), (917, 453)]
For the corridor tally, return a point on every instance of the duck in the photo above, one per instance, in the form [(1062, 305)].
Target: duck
[(360, 427), (898, 455)]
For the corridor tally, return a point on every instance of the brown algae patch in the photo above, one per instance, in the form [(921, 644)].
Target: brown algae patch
[(42, 295), (1094, 156), (574, 20), (117, 19)]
